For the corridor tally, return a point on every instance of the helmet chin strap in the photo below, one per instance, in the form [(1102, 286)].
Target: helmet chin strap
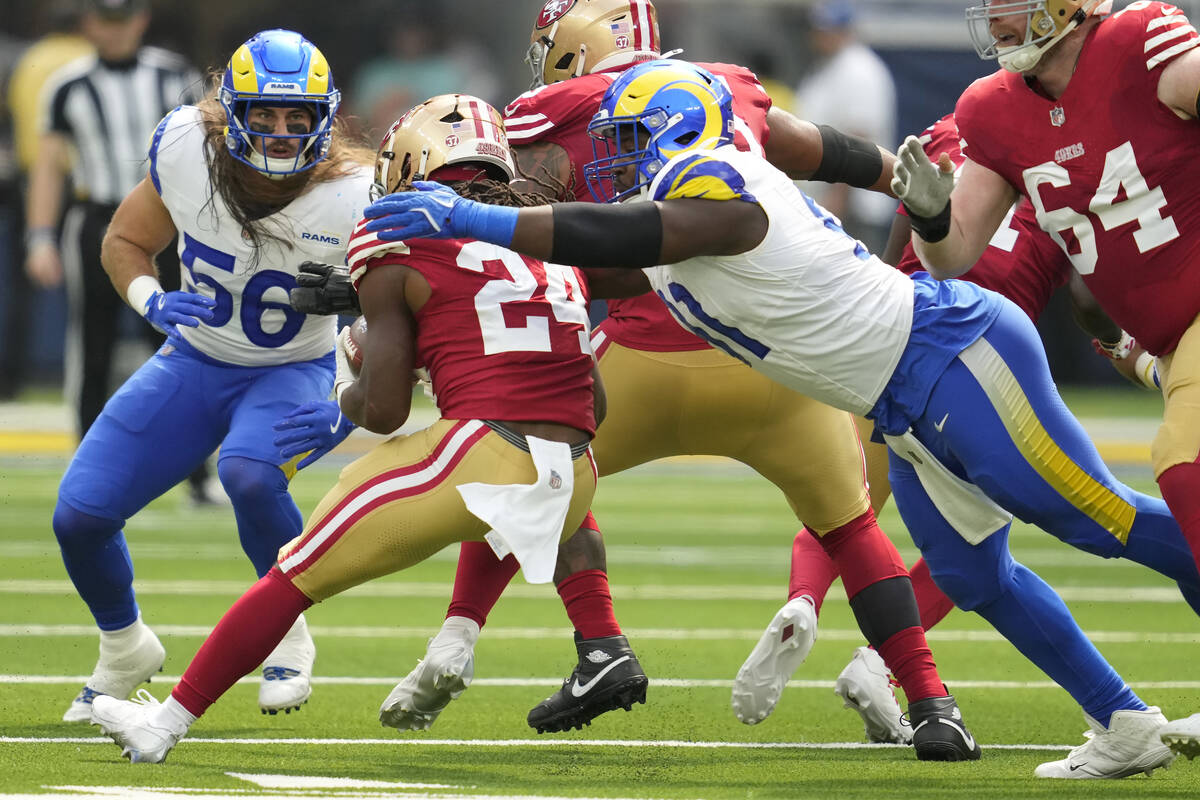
[(1024, 57)]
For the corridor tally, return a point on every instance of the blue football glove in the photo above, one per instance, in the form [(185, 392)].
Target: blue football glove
[(167, 310), (317, 426), (436, 211)]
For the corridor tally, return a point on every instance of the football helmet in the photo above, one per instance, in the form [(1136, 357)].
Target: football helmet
[(650, 114), (1046, 22), (577, 37), (278, 68), (444, 130)]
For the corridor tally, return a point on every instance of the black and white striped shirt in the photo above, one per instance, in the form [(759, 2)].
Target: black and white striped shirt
[(109, 112)]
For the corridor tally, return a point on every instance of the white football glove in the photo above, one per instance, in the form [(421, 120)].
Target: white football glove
[(923, 187), (346, 374)]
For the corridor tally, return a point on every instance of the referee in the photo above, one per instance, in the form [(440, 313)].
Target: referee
[(102, 111)]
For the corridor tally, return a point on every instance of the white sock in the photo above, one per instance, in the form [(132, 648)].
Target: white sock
[(459, 628), (173, 716), (123, 638)]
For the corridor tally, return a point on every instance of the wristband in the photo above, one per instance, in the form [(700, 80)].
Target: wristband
[(1146, 370), (930, 229), (488, 223), (140, 290), (36, 237), (1118, 350)]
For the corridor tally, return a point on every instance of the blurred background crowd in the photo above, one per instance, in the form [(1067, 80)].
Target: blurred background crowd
[(878, 68)]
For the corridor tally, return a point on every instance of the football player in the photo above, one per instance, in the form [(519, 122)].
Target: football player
[(238, 359), (1090, 120), (1025, 265), (709, 403), (952, 375), (504, 338)]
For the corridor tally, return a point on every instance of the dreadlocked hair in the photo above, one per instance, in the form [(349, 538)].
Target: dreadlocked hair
[(496, 193), (251, 196)]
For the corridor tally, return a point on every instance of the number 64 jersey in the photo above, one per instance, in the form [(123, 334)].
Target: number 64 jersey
[(253, 324), (1110, 171), (504, 336)]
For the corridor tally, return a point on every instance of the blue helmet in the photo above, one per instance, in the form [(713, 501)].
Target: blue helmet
[(278, 68), (679, 106)]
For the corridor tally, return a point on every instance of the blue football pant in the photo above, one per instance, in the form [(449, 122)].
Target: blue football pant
[(995, 418), (167, 418)]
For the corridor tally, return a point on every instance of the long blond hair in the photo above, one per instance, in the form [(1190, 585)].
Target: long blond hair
[(249, 195)]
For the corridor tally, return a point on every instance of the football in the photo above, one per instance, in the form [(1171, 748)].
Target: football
[(355, 339)]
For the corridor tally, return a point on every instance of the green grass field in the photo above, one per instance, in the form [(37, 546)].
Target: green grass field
[(698, 558)]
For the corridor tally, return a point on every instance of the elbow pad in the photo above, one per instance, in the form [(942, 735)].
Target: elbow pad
[(591, 235), (847, 159)]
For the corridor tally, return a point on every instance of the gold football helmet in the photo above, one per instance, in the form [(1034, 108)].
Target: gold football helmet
[(444, 130), (1046, 22), (577, 37)]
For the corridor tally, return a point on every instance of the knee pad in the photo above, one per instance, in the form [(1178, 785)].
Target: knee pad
[(247, 481), (73, 527)]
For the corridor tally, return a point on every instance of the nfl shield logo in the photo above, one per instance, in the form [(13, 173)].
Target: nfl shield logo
[(555, 480), (1057, 116)]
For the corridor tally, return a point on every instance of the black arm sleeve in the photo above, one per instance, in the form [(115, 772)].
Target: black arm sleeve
[(847, 159), (591, 235)]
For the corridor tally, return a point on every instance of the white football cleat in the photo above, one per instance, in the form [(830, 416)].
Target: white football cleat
[(287, 671), (1129, 745), (127, 658), (780, 651), (866, 686), (443, 675), (135, 727), (1183, 736)]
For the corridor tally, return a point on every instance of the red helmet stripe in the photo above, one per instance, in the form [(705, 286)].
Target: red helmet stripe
[(477, 114), (643, 28)]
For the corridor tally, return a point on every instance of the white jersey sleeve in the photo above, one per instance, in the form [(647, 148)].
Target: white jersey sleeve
[(809, 306), (253, 323)]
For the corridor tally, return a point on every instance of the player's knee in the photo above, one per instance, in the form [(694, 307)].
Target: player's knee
[(246, 480), (970, 589), (72, 526)]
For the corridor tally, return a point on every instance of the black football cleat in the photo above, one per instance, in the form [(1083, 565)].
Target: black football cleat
[(939, 733), (607, 677)]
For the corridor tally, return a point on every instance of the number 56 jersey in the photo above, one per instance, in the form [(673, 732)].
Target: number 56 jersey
[(253, 324), (504, 336), (1110, 171)]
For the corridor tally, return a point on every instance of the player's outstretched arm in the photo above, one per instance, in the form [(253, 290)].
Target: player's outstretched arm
[(628, 235), (951, 223), (822, 153)]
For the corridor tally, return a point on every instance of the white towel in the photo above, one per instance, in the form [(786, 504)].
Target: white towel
[(527, 520), (964, 505)]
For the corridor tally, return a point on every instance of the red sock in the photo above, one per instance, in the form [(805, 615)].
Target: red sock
[(908, 656), (931, 601), (862, 553), (1180, 487), (480, 580), (813, 571), (242, 640), (589, 605)]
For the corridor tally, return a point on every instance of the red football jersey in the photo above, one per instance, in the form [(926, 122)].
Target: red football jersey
[(1021, 262), (504, 336), (1111, 172), (560, 112)]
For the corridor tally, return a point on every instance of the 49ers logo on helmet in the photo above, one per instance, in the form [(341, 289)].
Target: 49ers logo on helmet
[(552, 11)]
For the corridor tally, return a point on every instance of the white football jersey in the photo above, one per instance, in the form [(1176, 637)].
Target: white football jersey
[(253, 324), (809, 306)]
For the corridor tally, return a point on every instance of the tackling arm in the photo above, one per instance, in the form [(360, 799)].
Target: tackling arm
[(807, 152), (544, 168), (381, 398)]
